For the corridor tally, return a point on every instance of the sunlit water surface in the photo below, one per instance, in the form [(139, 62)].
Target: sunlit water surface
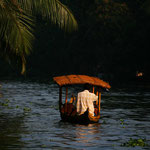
[(30, 119)]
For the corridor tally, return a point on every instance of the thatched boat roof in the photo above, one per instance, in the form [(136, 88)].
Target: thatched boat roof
[(80, 79)]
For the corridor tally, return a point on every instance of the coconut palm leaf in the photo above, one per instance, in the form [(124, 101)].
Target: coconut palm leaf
[(16, 31), (17, 21), (53, 9)]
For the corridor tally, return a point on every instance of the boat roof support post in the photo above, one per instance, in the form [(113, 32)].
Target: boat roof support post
[(66, 99), (60, 98), (93, 88), (97, 95), (99, 100), (66, 95)]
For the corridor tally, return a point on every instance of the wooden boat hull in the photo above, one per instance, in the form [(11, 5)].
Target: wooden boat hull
[(70, 115)]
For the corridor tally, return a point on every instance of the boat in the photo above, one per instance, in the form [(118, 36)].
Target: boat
[(68, 111)]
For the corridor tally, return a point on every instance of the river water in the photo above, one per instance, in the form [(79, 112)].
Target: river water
[(30, 119)]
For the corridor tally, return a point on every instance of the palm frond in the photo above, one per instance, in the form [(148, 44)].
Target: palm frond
[(16, 24), (15, 31), (52, 9)]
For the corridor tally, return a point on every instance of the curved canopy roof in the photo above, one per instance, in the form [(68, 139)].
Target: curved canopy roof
[(80, 79)]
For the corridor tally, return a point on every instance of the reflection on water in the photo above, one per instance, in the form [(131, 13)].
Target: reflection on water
[(29, 119), (86, 134)]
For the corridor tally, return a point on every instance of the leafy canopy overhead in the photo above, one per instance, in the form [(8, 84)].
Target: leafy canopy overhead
[(17, 19)]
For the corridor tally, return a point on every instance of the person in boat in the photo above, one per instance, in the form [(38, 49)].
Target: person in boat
[(85, 100), (73, 99)]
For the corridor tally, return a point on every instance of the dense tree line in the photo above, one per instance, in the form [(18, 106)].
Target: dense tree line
[(112, 39)]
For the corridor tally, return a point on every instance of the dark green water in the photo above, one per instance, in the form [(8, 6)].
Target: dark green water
[(29, 119)]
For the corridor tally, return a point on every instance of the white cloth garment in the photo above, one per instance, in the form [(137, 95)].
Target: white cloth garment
[(85, 101)]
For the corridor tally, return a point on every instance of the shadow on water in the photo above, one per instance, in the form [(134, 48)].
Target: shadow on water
[(11, 129)]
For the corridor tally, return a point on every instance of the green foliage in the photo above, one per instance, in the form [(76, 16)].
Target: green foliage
[(5, 103), (43, 146), (122, 123), (15, 31), (26, 109), (17, 20), (135, 142), (113, 39), (17, 106)]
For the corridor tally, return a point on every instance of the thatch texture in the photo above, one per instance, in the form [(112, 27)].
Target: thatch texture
[(80, 79)]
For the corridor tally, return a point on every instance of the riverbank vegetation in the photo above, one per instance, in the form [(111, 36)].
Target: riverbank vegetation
[(112, 42)]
